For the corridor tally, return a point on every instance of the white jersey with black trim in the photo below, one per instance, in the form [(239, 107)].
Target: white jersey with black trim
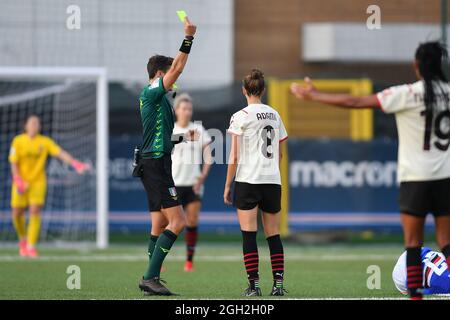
[(260, 130), (423, 153), (188, 156)]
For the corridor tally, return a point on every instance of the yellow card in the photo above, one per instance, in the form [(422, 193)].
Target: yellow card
[(182, 15)]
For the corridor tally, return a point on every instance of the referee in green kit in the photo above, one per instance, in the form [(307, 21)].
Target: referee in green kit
[(155, 165)]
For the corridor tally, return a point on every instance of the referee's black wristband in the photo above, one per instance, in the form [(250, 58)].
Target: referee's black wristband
[(186, 45)]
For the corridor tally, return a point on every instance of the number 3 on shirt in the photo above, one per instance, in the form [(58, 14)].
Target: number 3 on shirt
[(438, 131)]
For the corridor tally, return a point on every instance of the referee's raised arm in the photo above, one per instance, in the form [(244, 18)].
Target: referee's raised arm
[(181, 58)]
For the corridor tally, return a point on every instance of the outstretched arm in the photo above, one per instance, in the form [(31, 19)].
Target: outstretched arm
[(80, 167), (181, 58), (309, 92)]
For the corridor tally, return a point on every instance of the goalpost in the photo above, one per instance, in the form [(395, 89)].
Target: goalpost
[(73, 106)]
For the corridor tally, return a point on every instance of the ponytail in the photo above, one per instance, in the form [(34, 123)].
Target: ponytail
[(429, 56)]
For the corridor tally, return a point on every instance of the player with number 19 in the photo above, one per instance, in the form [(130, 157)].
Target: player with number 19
[(422, 113)]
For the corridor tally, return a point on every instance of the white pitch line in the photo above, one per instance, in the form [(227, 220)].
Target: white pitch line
[(204, 258), (268, 299)]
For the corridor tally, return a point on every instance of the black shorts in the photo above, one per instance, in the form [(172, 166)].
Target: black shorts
[(187, 195), (158, 183), (419, 198), (266, 196)]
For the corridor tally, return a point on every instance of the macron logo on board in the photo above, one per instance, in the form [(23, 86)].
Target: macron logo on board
[(347, 174)]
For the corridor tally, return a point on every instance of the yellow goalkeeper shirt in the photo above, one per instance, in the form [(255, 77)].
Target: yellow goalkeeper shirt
[(30, 155)]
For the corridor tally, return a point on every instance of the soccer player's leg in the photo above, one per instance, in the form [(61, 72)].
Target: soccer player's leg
[(36, 195), (442, 216), (246, 198), (271, 223), (413, 229), (192, 210), (271, 206), (249, 226), (19, 202), (152, 281), (443, 235), (159, 224), (151, 179), (172, 210), (415, 201), (19, 222), (34, 228)]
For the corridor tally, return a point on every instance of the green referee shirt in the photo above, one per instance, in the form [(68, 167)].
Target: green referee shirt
[(158, 119)]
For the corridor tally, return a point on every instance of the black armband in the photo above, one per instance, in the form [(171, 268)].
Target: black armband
[(186, 45)]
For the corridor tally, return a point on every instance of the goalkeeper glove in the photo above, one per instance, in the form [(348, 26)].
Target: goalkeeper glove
[(20, 184), (79, 166)]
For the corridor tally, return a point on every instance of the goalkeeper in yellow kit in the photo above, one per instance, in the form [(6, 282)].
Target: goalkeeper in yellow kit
[(28, 157)]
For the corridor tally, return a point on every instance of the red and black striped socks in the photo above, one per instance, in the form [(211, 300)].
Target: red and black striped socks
[(251, 258), (446, 253), (191, 242), (414, 272), (277, 259)]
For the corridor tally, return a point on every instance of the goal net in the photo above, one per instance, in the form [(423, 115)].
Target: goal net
[(72, 106)]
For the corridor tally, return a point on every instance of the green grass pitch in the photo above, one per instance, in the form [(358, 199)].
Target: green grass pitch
[(311, 272)]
